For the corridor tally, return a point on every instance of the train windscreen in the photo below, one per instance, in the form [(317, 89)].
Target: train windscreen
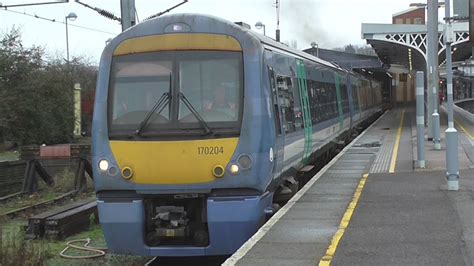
[(170, 92)]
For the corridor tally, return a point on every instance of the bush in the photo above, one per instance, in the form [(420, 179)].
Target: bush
[(37, 95)]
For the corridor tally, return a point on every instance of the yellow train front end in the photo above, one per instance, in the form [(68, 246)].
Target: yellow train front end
[(195, 157)]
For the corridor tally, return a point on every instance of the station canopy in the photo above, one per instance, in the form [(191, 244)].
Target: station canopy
[(404, 45)]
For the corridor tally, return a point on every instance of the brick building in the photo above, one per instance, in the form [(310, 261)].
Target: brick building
[(413, 15)]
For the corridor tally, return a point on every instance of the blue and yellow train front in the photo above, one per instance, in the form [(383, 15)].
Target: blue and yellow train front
[(174, 162)]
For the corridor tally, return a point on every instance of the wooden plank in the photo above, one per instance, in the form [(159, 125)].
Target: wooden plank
[(62, 218), (59, 232), (70, 222), (36, 223)]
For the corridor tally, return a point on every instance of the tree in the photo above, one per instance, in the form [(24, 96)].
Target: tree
[(357, 49), (18, 68), (37, 95), (349, 49)]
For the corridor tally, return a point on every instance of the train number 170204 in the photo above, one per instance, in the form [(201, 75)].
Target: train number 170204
[(212, 150)]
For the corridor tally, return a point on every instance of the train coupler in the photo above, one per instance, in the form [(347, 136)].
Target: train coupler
[(171, 221), (171, 225)]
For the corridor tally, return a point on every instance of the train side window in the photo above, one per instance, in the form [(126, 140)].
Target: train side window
[(322, 101), (288, 103), (345, 98), (331, 100), (313, 103), (355, 99), (275, 96)]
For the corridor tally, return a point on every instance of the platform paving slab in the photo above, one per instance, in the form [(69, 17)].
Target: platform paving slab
[(404, 219)]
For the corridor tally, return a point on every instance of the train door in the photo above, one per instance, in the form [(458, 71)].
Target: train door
[(351, 102), (280, 138)]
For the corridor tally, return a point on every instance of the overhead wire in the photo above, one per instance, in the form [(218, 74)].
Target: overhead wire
[(56, 21), (167, 10), (101, 11)]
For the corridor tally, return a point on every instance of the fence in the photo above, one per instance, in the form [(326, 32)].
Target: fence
[(11, 177)]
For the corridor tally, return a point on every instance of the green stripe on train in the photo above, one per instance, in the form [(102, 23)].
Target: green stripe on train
[(305, 110)]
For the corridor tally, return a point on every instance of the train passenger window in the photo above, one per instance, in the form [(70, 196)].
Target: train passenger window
[(344, 98), (355, 99), (313, 103), (275, 97), (290, 104)]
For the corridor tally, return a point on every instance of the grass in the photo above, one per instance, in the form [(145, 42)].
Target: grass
[(9, 156), (15, 250)]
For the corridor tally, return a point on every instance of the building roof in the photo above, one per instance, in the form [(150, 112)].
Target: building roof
[(411, 9), (346, 60)]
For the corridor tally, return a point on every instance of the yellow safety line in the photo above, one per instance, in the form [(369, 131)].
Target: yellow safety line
[(393, 162), (326, 259), (464, 129)]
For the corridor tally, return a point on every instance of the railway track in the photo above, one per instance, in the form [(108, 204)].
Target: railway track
[(7, 197), (15, 212)]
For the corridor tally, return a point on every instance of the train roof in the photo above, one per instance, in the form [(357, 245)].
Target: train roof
[(205, 20), (264, 40), (267, 41)]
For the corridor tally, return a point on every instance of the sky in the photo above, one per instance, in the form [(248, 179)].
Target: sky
[(330, 23)]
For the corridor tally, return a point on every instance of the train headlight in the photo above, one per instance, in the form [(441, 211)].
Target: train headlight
[(245, 161), (234, 169), (103, 165)]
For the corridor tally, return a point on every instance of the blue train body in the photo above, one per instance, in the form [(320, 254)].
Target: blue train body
[(178, 182)]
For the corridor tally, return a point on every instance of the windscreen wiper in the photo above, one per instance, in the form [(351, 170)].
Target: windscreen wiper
[(191, 108), (159, 105)]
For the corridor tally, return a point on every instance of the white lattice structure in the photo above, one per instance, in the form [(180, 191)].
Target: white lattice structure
[(412, 36)]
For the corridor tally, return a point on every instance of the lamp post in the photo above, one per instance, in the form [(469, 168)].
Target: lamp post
[(72, 16), (260, 25)]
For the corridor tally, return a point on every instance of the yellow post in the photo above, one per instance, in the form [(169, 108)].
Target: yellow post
[(77, 110)]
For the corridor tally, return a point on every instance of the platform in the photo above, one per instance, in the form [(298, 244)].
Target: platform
[(371, 206)]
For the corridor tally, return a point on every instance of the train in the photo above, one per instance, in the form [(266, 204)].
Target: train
[(201, 125)]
